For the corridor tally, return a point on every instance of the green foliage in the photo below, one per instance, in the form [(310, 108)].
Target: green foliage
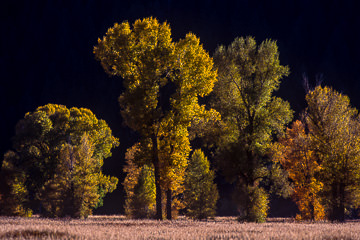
[(13, 194), (252, 203), (251, 115), (200, 192), (259, 205), (143, 201), (106, 184), (73, 191), (248, 76), (45, 135), (139, 186), (163, 81), (278, 180), (334, 129)]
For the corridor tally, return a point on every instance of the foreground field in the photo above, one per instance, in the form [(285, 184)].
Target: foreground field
[(117, 227)]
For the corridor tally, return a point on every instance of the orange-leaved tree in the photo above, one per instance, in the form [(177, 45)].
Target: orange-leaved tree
[(295, 154)]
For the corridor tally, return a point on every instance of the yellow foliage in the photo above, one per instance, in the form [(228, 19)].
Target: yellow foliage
[(145, 56), (259, 206), (309, 202), (334, 128), (139, 186), (13, 199)]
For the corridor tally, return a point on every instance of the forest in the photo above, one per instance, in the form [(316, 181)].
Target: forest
[(195, 116)]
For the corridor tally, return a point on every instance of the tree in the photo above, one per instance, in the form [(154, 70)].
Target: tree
[(248, 76), (40, 139), (200, 192), (139, 186), (295, 154), (163, 81), (13, 193), (334, 129), (74, 189)]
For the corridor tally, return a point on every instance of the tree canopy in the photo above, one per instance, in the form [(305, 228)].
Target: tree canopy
[(296, 155), (163, 81), (248, 76), (42, 137), (334, 129)]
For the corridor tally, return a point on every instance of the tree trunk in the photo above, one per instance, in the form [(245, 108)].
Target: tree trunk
[(69, 203), (342, 203), (312, 205), (338, 198), (312, 211), (250, 182), (156, 163), (168, 204), (333, 202)]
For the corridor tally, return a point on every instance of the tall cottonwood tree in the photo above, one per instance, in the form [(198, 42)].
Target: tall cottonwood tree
[(295, 153), (248, 76), (39, 142), (334, 129), (163, 81)]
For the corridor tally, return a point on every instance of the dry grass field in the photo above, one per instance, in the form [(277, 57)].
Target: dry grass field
[(118, 227)]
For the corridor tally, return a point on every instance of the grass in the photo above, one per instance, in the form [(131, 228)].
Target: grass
[(118, 227)]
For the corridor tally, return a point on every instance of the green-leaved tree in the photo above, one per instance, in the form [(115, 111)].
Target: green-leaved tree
[(44, 136), (13, 193), (249, 74), (200, 193), (74, 189)]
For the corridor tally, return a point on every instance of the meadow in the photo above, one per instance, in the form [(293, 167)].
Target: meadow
[(118, 227)]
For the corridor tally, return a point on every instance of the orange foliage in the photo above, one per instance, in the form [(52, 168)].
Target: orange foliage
[(295, 155)]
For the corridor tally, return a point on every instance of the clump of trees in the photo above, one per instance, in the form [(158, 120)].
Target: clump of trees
[(56, 163), (163, 81), (334, 128), (321, 153), (58, 153)]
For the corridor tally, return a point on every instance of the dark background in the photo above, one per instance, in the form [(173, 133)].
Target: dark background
[(46, 56)]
